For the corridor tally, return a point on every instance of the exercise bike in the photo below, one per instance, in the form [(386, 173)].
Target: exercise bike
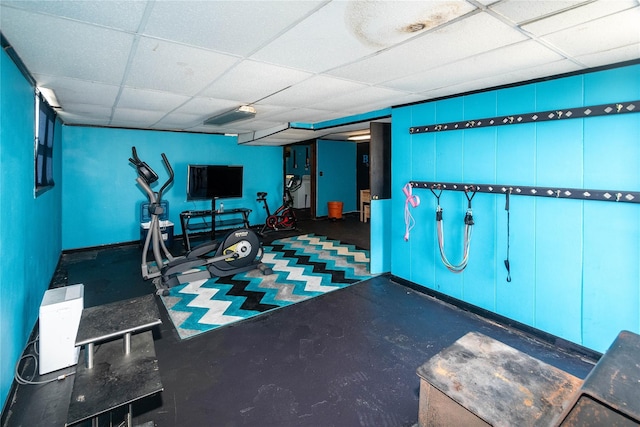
[(239, 251), (284, 218)]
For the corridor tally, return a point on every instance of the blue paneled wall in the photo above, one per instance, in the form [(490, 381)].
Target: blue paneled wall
[(574, 263), (101, 200), (30, 235)]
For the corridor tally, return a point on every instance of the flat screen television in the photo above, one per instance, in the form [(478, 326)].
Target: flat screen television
[(210, 182)]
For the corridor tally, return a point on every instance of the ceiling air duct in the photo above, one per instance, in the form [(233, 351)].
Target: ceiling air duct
[(241, 113)]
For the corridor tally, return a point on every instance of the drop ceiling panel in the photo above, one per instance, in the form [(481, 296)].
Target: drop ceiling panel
[(257, 125), (577, 16), (302, 115), (519, 11), (251, 81), (150, 100), (237, 27), (56, 46), (180, 121), (173, 67), (590, 37), (75, 91), (205, 107), (500, 61), (553, 68), (612, 56), (173, 64), (473, 35), (317, 43), (135, 118), (363, 100), (558, 67), (381, 24), (92, 115), (123, 15), (311, 91)]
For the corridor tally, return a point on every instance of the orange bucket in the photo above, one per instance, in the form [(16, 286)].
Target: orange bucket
[(335, 209)]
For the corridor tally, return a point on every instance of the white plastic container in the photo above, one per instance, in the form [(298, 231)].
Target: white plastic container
[(60, 313)]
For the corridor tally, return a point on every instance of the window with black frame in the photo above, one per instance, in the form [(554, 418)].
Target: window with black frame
[(45, 126)]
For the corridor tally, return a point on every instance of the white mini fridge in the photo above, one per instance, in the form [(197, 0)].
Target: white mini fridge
[(301, 197), (60, 313)]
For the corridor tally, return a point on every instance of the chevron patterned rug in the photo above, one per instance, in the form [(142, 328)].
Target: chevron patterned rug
[(303, 267)]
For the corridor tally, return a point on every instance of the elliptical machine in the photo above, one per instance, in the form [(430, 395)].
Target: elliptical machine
[(284, 218), (239, 251)]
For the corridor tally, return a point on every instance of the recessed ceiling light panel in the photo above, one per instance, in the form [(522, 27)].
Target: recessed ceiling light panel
[(241, 113)]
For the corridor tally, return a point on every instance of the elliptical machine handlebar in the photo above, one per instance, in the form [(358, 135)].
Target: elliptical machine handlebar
[(148, 175), (144, 171), (171, 175)]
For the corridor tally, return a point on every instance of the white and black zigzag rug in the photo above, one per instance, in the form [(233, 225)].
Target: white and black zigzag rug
[(303, 267)]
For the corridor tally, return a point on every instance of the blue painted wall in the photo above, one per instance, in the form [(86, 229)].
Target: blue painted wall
[(101, 200), (574, 263), (336, 175), (30, 237), (380, 236)]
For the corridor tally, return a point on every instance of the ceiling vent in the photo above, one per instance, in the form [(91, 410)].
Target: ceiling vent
[(241, 113)]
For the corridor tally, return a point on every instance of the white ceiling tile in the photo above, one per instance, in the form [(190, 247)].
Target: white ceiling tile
[(54, 46), (96, 115), (363, 100), (179, 121), (554, 68), (318, 43), (310, 91), (381, 24), (172, 67), (75, 91), (127, 117), (610, 32), (320, 60), (544, 70), (521, 11), (237, 27), (487, 2), (612, 56), (302, 115), (578, 15), (150, 100), (475, 34), (342, 32), (206, 107), (500, 61), (122, 15), (251, 81)]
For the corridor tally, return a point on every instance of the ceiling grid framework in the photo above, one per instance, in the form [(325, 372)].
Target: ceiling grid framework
[(171, 65)]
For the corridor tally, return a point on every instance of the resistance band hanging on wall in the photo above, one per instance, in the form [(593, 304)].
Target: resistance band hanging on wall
[(409, 222), (414, 201), (506, 261), (468, 226)]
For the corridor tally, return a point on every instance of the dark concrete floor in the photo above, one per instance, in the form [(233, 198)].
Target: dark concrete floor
[(347, 358)]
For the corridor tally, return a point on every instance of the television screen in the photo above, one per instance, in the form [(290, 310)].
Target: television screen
[(208, 182)]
